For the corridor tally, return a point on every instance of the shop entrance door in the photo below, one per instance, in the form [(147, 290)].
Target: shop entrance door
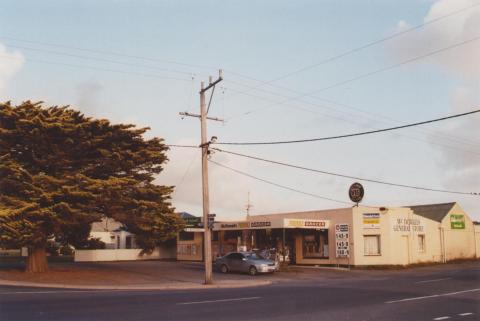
[(404, 251)]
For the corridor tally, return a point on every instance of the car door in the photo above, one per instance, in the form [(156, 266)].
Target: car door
[(236, 262)]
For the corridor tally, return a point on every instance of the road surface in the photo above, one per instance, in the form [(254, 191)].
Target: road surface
[(450, 292)]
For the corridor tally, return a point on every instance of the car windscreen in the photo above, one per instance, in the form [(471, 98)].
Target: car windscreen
[(254, 256)]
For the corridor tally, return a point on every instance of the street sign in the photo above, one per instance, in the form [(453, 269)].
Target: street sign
[(211, 220), (356, 192)]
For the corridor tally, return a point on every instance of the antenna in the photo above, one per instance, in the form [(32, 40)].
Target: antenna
[(248, 206)]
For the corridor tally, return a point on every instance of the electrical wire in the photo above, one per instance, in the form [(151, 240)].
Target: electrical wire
[(368, 74), (374, 117), (58, 53), (182, 146), (104, 52), (345, 176), (349, 135), (99, 69), (356, 49), (278, 185)]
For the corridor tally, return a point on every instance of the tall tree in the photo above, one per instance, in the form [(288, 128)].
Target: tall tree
[(61, 171)]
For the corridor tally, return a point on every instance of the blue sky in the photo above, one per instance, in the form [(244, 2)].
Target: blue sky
[(261, 41)]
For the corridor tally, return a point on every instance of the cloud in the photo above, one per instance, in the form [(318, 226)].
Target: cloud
[(10, 63), (461, 61), (460, 167), (87, 97)]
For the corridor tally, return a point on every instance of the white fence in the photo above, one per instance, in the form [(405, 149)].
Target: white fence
[(123, 255)]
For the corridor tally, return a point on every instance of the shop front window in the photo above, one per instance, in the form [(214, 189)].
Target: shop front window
[(315, 244)]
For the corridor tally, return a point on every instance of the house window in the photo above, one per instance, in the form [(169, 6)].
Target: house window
[(186, 236), (421, 243), (371, 244)]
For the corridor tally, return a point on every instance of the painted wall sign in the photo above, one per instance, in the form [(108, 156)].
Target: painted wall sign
[(371, 220), (342, 237), (408, 225), (457, 221)]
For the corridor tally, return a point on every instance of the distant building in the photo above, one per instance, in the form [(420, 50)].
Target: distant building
[(360, 236), (113, 234)]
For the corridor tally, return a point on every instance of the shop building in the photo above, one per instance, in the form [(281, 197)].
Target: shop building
[(348, 236)]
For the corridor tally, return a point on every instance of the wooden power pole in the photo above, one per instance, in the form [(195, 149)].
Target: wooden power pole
[(207, 237)]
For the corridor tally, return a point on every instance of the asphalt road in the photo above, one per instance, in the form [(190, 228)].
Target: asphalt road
[(450, 292)]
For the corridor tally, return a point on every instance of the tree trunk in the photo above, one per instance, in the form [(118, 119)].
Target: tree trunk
[(37, 260)]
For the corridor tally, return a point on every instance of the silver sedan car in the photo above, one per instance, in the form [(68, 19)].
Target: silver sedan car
[(249, 262)]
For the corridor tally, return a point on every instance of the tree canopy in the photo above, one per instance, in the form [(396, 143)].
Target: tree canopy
[(61, 171)]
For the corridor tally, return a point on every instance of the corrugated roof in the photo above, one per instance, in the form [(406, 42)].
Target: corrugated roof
[(435, 212)]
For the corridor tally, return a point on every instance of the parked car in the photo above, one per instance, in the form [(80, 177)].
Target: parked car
[(249, 262)]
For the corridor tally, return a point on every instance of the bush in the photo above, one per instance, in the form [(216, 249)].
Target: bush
[(66, 250), (52, 248), (94, 244)]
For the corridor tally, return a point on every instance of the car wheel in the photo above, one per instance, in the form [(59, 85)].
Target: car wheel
[(252, 270), (224, 268)]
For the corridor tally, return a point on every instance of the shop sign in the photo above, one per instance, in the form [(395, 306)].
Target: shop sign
[(371, 220), (408, 225), (356, 192), (229, 225), (309, 224), (342, 237), (457, 222), (260, 224), (243, 225), (192, 222)]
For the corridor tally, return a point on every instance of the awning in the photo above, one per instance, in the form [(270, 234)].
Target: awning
[(272, 223)]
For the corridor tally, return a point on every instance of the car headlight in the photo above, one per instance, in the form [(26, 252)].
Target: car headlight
[(263, 265)]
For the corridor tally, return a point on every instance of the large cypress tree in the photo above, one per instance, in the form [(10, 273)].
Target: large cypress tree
[(60, 171)]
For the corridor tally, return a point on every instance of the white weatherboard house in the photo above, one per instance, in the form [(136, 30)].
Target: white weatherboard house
[(119, 245)]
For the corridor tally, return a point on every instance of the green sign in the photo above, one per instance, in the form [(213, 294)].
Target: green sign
[(192, 222), (457, 221)]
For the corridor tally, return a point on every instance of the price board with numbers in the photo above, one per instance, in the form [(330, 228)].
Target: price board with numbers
[(342, 243)]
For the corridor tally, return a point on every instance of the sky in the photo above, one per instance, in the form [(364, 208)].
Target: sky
[(142, 62)]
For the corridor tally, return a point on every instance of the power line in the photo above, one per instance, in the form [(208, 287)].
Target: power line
[(99, 69), (362, 47), (345, 176), (349, 135), (182, 146), (369, 74), (278, 185), (146, 66), (104, 52), (52, 52), (452, 138)]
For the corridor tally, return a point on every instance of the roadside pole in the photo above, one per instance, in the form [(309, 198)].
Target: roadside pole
[(207, 238)]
